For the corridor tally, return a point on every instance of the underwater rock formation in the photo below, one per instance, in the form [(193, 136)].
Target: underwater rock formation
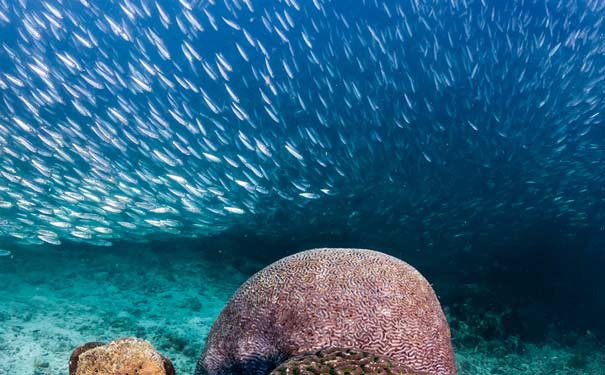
[(340, 362), (330, 298), (126, 356)]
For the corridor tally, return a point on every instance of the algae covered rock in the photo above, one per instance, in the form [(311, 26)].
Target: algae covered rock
[(342, 362), (126, 356), (330, 298)]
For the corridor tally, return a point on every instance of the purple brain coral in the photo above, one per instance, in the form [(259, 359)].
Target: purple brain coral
[(330, 298)]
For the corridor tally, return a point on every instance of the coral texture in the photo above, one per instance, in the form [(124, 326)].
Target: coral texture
[(330, 298), (126, 356), (342, 362)]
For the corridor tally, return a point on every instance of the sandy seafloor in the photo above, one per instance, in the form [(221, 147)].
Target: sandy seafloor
[(52, 300)]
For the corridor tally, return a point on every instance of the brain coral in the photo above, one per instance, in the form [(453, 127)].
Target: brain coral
[(341, 362), (330, 298), (126, 356)]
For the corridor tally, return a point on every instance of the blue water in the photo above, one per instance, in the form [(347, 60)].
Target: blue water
[(465, 137)]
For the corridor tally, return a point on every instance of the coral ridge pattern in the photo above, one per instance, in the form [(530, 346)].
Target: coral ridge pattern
[(330, 298)]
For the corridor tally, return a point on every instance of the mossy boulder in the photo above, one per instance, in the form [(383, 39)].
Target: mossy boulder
[(126, 356)]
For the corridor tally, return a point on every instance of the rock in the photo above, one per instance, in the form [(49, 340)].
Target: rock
[(126, 356), (40, 363)]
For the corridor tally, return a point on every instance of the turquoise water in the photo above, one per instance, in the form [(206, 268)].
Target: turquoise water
[(56, 299)]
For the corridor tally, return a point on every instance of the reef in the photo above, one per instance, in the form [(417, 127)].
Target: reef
[(342, 362), (126, 356), (330, 298)]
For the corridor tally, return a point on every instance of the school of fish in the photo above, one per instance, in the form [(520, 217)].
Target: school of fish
[(127, 120)]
